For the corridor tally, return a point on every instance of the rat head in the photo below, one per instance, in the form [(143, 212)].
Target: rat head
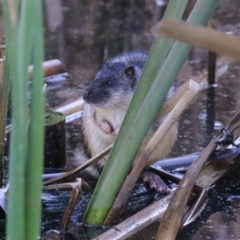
[(113, 86)]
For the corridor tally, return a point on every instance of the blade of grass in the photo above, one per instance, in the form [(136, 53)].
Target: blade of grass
[(109, 181), (34, 166), (15, 208), (19, 40)]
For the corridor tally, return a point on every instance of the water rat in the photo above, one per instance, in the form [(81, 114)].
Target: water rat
[(107, 100)]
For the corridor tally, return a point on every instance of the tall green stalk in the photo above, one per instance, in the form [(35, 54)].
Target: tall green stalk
[(15, 228), (130, 136), (109, 180), (34, 165), (23, 32)]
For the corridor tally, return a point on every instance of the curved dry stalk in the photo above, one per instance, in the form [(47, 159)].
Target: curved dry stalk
[(83, 166), (169, 105), (140, 162), (76, 190), (186, 99)]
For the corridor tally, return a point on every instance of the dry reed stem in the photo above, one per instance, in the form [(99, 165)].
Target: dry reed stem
[(203, 37)]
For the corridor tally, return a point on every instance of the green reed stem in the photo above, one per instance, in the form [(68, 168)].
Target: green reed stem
[(23, 32), (110, 180), (34, 166)]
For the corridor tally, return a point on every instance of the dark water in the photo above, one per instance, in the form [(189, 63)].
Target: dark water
[(84, 34)]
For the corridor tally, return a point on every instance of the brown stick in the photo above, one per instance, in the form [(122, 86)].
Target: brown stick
[(209, 39), (71, 204), (138, 221), (50, 67), (173, 216)]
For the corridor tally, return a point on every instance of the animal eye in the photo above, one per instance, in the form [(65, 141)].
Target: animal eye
[(109, 83)]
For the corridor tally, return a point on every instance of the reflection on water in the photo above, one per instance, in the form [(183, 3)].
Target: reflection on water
[(84, 34)]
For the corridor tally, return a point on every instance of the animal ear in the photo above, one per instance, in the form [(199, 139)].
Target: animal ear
[(130, 71)]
